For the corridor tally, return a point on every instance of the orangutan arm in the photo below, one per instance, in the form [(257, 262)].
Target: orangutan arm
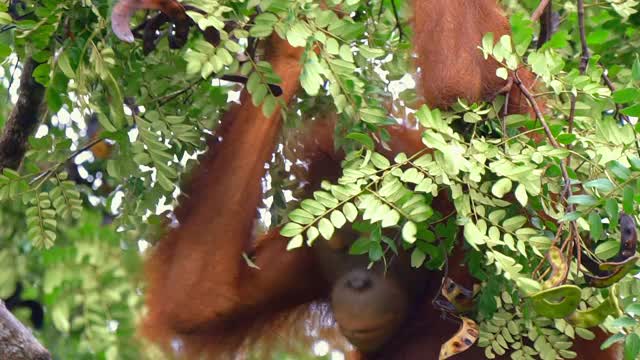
[(197, 275)]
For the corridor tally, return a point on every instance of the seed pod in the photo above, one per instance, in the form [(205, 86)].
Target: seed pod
[(461, 341), (596, 315), (559, 268), (557, 302)]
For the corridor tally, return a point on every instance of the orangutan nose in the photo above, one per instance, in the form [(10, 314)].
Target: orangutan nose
[(359, 281)]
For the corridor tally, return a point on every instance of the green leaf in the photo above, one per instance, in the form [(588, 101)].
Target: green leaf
[(624, 321), (633, 309), (472, 117), (615, 338), (11, 174), (301, 216), (412, 175), (487, 44), (409, 231), (626, 95), (521, 195), (298, 35), (295, 243), (391, 219), (391, 187), (472, 235), (528, 286), (501, 187), (635, 162), (597, 36), (363, 139), (105, 122), (291, 230), (311, 77), (269, 105), (332, 46), (263, 25), (312, 206), (325, 199), (566, 139), (41, 74), (604, 185), (502, 73), (60, 317), (619, 170), (607, 249), (65, 66), (258, 96), (632, 347), (371, 53), (611, 207), (635, 69), (380, 161), (375, 251), (360, 246), (585, 333), (417, 258), (346, 53), (514, 223), (373, 115), (350, 211), (326, 228), (586, 200), (595, 225), (337, 219), (633, 110), (5, 51), (312, 235)]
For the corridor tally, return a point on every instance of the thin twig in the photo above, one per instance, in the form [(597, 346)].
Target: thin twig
[(536, 109), (532, 101), (52, 170), (169, 97), (505, 112), (584, 61), (572, 112)]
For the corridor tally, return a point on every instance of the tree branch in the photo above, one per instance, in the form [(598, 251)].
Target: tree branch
[(584, 61), (23, 120), (548, 24), (16, 341)]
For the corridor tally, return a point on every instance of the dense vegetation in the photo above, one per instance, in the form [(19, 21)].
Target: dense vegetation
[(119, 129)]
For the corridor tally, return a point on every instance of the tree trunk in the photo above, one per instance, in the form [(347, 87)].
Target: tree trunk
[(23, 120)]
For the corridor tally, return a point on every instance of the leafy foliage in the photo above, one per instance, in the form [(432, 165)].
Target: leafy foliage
[(73, 219)]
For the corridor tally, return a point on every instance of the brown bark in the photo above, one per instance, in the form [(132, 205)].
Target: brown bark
[(23, 120), (16, 341)]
